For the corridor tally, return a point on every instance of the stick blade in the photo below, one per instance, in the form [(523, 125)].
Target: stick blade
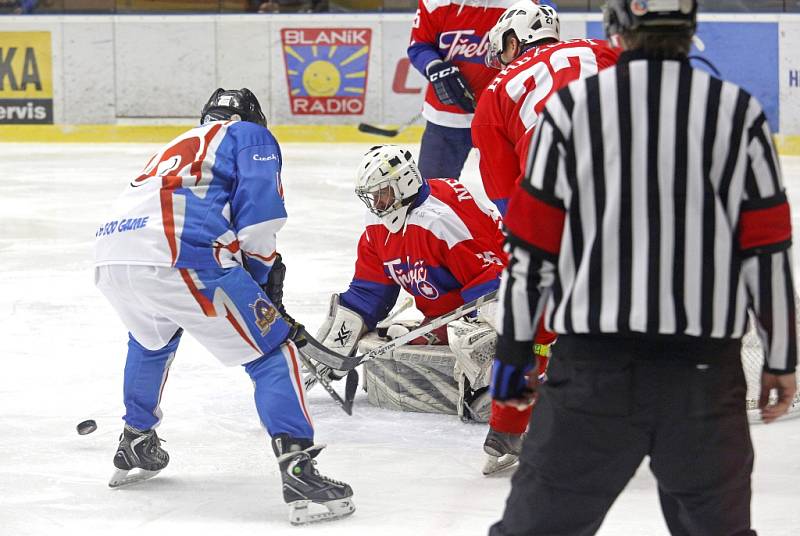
[(351, 385), (378, 131)]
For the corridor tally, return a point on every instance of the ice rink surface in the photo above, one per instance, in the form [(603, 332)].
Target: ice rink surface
[(63, 356)]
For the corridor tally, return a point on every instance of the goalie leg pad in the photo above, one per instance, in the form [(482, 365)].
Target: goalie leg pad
[(343, 328), (473, 344)]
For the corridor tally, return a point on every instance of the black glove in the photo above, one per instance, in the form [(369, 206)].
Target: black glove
[(297, 331), (274, 285), (450, 86), (273, 288)]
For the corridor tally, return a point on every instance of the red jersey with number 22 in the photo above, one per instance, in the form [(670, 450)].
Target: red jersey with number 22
[(510, 106)]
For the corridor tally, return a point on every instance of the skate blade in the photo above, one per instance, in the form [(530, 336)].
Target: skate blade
[(299, 513), (495, 464), (121, 477)]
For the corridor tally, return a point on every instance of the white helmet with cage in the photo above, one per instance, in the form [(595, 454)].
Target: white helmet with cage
[(388, 181), (530, 23)]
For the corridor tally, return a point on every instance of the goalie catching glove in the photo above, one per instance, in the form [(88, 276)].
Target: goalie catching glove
[(450, 86)]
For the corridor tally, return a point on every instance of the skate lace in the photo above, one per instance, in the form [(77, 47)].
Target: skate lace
[(323, 477), (153, 447)]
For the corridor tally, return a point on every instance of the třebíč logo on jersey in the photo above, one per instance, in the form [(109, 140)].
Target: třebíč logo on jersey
[(463, 45), (265, 314), (412, 277), (326, 69)]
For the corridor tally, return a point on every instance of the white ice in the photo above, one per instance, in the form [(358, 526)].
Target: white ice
[(64, 349)]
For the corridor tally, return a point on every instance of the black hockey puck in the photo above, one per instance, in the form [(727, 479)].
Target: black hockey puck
[(86, 427)]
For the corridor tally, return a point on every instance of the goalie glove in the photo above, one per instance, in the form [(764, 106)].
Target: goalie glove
[(450, 86), (435, 337)]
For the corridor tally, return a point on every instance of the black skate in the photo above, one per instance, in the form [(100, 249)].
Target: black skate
[(503, 450), (140, 450), (303, 485)]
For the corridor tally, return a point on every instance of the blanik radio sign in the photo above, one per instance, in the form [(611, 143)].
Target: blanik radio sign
[(326, 69)]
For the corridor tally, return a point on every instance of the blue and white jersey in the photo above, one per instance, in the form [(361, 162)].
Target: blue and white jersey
[(211, 197)]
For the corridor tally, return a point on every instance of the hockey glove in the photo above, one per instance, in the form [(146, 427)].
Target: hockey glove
[(273, 288), (435, 337), (331, 374), (450, 86), (297, 332), (511, 383)]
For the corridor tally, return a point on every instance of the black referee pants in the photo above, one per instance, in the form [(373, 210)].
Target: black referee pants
[(607, 404)]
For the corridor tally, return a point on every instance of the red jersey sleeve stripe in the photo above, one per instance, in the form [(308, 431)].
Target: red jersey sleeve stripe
[(535, 222), (765, 228)]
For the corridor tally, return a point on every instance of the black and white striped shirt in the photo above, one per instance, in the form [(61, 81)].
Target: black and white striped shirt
[(652, 205)]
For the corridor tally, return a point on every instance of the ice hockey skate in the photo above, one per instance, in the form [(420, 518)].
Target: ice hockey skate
[(503, 450), (303, 486), (140, 452)]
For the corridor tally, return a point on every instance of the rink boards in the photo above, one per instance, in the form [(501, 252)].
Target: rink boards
[(143, 78)]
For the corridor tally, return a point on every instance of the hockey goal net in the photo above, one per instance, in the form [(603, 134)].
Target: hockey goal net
[(753, 363)]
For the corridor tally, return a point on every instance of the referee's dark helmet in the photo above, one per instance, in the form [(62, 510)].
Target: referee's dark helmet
[(657, 16)]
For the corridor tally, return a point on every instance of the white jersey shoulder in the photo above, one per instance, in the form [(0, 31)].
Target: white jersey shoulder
[(440, 219), (432, 5)]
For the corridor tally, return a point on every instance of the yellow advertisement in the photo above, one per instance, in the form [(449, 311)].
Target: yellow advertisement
[(26, 78)]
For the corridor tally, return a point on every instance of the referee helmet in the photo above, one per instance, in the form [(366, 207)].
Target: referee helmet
[(657, 16)]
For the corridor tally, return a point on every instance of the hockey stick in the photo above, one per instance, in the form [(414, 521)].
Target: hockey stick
[(388, 132), (347, 403), (316, 351), (311, 379)]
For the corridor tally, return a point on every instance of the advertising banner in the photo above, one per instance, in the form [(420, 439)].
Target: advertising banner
[(789, 77), (327, 69), (403, 86), (26, 78), (743, 53)]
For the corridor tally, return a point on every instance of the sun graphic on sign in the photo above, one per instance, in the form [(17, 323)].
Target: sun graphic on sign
[(326, 71)]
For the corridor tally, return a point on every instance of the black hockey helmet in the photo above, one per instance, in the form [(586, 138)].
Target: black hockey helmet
[(228, 103), (658, 16)]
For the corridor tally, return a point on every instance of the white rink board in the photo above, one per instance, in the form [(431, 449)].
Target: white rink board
[(63, 357), (136, 68)]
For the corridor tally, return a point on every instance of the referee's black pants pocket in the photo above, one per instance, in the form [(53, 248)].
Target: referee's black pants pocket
[(580, 452), (702, 456)]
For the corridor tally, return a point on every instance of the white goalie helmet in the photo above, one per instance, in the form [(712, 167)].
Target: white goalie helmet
[(530, 23), (388, 181)]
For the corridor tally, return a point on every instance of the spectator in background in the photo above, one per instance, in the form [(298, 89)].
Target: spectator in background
[(25, 7)]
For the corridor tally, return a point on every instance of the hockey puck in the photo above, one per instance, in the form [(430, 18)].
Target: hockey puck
[(86, 427)]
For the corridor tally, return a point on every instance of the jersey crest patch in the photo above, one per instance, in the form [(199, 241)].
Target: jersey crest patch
[(265, 314)]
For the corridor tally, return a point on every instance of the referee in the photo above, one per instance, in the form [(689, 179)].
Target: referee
[(652, 218)]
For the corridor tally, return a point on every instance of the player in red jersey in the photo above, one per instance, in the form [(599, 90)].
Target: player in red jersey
[(449, 40), (525, 41), (535, 64)]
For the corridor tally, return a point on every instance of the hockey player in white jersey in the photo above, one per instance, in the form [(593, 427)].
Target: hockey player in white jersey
[(191, 246)]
